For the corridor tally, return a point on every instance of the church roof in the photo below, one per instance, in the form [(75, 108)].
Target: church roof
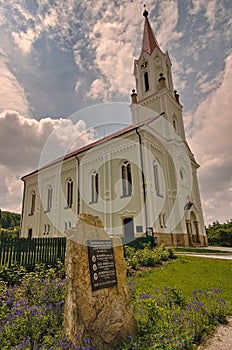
[(96, 143), (149, 41)]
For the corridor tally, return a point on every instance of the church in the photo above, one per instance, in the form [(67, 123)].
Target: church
[(140, 180)]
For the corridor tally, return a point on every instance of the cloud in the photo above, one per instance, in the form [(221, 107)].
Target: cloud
[(24, 140), (12, 94), (168, 17), (211, 141)]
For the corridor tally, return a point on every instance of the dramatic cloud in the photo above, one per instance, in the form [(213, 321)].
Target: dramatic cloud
[(23, 140), (12, 94), (212, 143)]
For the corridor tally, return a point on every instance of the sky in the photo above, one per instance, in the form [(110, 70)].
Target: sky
[(61, 57)]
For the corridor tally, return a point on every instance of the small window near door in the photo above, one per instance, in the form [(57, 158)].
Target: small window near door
[(29, 236)]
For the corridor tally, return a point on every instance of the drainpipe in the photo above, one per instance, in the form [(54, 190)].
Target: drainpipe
[(143, 179), (22, 215), (78, 185)]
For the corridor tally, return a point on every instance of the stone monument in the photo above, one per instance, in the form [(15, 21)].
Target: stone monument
[(97, 302)]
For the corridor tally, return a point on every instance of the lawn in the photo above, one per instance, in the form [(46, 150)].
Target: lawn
[(188, 274)]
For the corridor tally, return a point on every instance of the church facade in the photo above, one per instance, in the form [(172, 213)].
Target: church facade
[(141, 180)]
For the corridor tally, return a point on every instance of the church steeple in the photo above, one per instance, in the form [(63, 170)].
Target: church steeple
[(154, 83), (149, 41)]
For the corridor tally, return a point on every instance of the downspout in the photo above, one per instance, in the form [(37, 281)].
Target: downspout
[(143, 179), (21, 221), (78, 185)]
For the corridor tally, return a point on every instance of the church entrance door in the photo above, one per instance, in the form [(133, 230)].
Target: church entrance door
[(128, 224)]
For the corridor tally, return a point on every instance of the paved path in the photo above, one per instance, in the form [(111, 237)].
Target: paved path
[(226, 256), (222, 339)]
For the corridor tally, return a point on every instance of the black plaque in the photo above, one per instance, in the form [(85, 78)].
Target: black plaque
[(101, 264)]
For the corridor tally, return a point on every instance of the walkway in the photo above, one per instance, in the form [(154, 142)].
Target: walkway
[(221, 340), (216, 255)]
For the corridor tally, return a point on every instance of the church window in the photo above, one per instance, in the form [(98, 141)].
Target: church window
[(146, 81), (94, 187), (126, 179), (33, 197), (158, 185), (49, 198), (69, 193)]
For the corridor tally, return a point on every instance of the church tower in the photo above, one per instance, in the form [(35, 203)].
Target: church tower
[(154, 83)]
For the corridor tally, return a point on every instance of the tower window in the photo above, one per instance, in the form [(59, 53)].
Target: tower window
[(174, 123), (69, 193), (126, 179), (146, 81), (94, 187)]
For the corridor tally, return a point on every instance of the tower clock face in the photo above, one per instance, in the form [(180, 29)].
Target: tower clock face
[(144, 64), (157, 61)]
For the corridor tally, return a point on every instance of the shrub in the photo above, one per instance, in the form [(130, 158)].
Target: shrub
[(148, 256)]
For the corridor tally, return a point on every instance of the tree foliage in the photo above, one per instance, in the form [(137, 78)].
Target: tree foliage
[(220, 234), (9, 224)]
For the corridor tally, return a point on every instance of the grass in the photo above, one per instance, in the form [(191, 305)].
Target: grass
[(188, 273)]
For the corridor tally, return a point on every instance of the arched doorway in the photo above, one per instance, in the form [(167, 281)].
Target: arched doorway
[(194, 228)]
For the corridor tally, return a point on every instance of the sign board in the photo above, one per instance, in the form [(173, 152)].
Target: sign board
[(101, 264)]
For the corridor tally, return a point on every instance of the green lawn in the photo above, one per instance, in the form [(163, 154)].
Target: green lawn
[(188, 273)]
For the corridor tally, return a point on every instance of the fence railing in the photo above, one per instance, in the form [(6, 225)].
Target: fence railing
[(28, 252)]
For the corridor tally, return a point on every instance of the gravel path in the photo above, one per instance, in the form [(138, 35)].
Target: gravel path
[(221, 340)]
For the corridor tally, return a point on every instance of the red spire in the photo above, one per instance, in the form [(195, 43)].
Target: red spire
[(149, 40)]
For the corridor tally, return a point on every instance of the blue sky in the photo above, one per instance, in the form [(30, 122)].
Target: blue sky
[(59, 57)]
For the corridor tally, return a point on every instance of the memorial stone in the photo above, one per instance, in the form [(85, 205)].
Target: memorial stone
[(97, 302)]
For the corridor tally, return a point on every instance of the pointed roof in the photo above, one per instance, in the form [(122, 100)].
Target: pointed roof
[(149, 40)]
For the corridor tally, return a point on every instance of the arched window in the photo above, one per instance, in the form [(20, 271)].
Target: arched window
[(94, 187), (69, 193), (33, 197), (126, 179), (146, 81), (49, 198), (157, 181)]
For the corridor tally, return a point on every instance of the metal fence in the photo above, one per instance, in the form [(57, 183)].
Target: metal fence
[(28, 252)]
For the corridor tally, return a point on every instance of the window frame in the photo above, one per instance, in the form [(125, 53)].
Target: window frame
[(126, 177), (94, 187), (69, 193)]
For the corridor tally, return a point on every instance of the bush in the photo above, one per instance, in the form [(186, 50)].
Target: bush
[(147, 257)]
